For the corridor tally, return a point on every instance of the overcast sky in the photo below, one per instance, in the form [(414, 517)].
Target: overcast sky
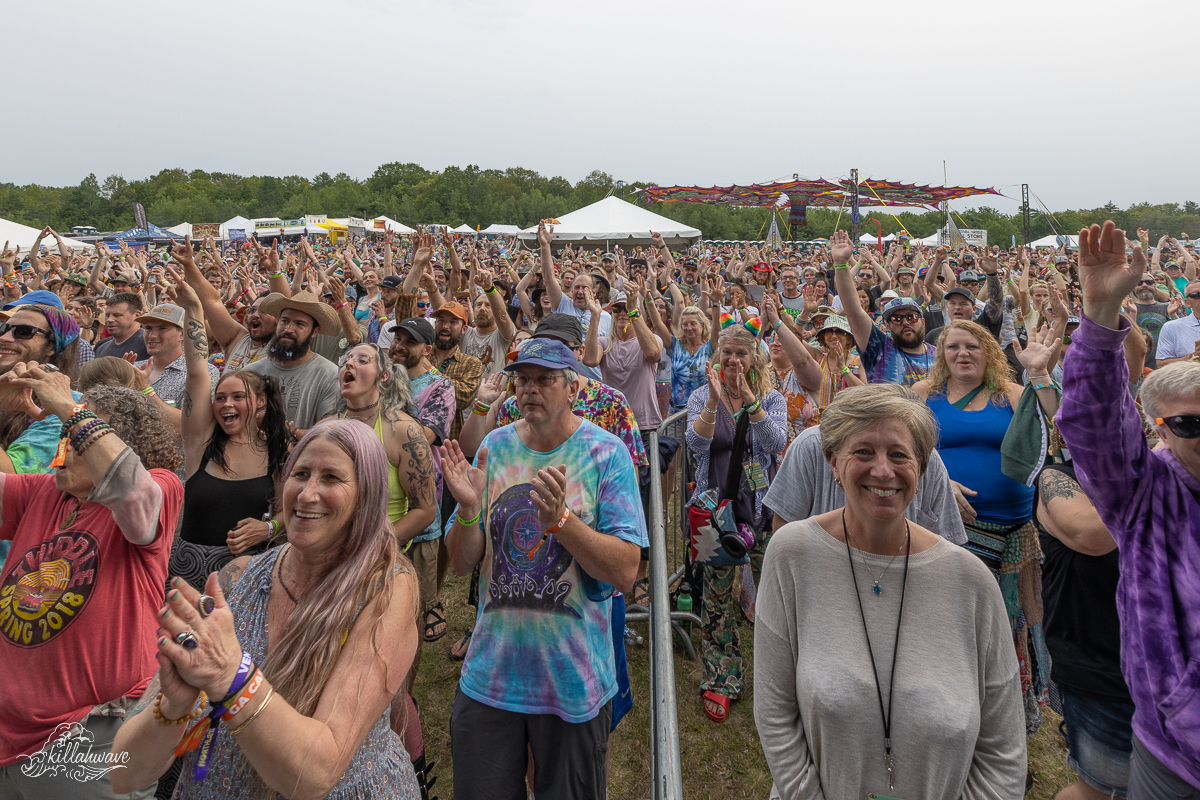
[(1086, 101)]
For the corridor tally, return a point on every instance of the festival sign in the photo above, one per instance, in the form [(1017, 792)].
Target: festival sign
[(315, 219), (356, 222), (268, 223), (205, 229)]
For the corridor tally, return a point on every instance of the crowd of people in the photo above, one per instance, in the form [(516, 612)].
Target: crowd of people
[(262, 457)]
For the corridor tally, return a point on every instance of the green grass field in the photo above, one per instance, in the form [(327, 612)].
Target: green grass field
[(719, 761)]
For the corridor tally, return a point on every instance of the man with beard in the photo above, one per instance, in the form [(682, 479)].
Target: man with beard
[(577, 303), (494, 330), (1151, 314), (903, 357), (608, 263), (242, 344), (307, 381), (464, 371), (433, 399), (124, 332)]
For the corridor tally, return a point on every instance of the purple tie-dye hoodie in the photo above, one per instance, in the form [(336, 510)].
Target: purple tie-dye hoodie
[(1151, 504)]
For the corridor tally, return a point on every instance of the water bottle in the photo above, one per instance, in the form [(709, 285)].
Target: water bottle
[(631, 636), (709, 499)]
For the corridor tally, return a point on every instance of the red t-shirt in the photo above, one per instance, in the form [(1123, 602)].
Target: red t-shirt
[(77, 606)]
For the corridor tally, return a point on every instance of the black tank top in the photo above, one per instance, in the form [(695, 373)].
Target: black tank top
[(212, 507)]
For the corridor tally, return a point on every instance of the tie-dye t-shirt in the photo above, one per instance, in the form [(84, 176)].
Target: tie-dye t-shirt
[(687, 371), (541, 645), (887, 363)]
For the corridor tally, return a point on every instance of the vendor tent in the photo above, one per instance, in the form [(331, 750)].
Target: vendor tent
[(614, 221), (23, 236), (393, 226), (868, 238), (496, 228), (464, 228), (150, 233), (237, 223), (182, 229), (1055, 241)]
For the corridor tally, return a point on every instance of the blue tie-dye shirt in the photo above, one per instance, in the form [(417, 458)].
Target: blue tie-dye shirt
[(542, 644)]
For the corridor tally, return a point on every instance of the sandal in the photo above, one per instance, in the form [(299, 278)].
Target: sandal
[(641, 593), (436, 613), (462, 645), (721, 700)]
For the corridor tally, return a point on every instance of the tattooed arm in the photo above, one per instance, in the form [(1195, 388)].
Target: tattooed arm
[(1067, 513), (409, 453), (196, 406)]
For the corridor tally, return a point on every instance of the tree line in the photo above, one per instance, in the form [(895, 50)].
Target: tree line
[(414, 195)]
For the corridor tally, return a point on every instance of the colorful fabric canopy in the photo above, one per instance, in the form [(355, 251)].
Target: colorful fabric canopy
[(818, 193)]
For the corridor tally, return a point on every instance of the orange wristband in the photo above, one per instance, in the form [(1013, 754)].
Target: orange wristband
[(559, 525), (245, 696)]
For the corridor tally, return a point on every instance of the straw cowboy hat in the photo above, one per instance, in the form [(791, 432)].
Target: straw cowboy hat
[(326, 318)]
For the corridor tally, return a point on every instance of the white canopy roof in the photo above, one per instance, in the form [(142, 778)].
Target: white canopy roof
[(393, 226), (183, 229), (614, 221), (237, 223), (1055, 241), (510, 230), (17, 234), (464, 228), (868, 238)]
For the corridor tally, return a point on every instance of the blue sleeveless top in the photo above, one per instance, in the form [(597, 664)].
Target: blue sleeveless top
[(380, 770), (969, 444)]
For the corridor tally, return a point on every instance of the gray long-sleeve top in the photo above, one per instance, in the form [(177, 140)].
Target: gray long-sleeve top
[(957, 721)]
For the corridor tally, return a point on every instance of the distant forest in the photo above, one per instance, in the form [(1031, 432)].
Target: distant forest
[(414, 195)]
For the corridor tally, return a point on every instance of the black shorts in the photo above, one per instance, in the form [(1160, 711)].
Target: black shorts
[(490, 748)]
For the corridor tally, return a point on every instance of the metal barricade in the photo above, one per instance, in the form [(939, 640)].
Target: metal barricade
[(668, 540)]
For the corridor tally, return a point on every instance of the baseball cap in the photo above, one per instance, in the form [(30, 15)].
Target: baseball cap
[(548, 353), (40, 296), (906, 270), (899, 304), (392, 282), (1064, 260), (619, 297), (417, 327), (566, 328), (608, 257), (959, 290), (970, 275), (164, 312), (455, 308)]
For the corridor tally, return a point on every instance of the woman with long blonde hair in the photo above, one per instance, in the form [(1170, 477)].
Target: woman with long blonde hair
[(974, 402), (331, 620)]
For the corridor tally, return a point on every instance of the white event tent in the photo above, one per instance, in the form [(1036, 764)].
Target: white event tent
[(237, 223), (1055, 241), (390, 224), (496, 228), (464, 228), (23, 236), (183, 229), (614, 221)]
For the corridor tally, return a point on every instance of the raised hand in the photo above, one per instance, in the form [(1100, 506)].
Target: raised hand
[(493, 388), (657, 238), (1035, 356), (716, 389), (841, 249), (1105, 276), (545, 235), (465, 482)]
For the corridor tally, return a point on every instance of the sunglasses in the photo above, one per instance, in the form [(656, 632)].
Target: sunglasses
[(903, 318), (1193, 295), (1145, 283), (1185, 426), (23, 331), (422, 305)]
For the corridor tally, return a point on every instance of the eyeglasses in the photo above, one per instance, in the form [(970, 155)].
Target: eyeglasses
[(543, 381), (1193, 295), (903, 318), (362, 359), (1185, 426), (1145, 283), (23, 331)]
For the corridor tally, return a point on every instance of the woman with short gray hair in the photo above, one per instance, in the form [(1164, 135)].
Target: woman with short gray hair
[(883, 656)]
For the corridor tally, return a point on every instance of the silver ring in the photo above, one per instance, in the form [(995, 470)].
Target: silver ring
[(186, 640), (205, 605)]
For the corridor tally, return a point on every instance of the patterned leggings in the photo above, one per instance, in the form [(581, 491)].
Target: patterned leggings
[(722, 649)]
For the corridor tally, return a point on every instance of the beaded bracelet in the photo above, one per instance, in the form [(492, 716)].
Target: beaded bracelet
[(480, 408), (97, 437), (197, 710), (85, 430), (73, 420)]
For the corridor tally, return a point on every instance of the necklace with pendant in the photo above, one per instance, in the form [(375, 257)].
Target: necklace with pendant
[(69, 520), (875, 587)]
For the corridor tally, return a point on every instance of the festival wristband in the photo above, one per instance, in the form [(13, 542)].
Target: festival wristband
[(1038, 386), (558, 526), (841, 266), (149, 390), (845, 371), (276, 274), (244, 696), (472, 521), (342, 304), (204, 733), (754, 407), (490, 289)]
